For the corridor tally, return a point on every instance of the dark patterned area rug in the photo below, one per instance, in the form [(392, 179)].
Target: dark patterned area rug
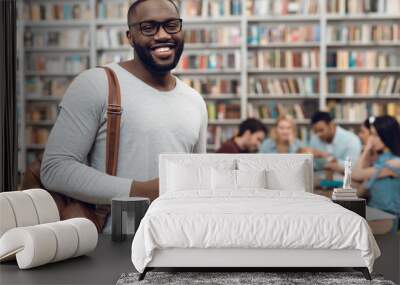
[(273, 278)]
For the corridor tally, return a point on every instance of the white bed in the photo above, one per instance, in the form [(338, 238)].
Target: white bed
[(193, 225)]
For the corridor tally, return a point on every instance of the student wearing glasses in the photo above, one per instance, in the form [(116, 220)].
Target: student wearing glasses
[(159, 114), (382, 179)]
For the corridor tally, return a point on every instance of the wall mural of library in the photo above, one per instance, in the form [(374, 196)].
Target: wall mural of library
[(248, 58)]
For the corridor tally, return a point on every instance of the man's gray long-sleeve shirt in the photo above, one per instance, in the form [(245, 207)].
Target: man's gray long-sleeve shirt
[(152, 122)]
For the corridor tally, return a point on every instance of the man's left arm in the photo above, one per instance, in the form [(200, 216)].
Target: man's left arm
[(201, 144)]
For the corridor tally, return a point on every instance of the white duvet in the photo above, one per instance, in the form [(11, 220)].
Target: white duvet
[(250, 219)]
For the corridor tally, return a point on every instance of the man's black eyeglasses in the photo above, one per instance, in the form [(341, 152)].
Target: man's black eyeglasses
[(150, 28)]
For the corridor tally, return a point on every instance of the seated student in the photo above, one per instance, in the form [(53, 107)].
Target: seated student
[(364, 133), (365, 130), (331, 144), (383, 178), (283, 137), (251, 133)]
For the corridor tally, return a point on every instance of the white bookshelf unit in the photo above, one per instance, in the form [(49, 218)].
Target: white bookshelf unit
[(267, 60)]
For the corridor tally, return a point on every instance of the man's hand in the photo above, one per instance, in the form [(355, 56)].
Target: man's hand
[(334, 166), (148, 189), (317, 153)]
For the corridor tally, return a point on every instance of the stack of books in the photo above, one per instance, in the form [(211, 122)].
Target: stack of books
[(344, 194)]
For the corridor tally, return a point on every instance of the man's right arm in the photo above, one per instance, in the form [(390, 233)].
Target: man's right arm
[(64, 168), (148, 189)]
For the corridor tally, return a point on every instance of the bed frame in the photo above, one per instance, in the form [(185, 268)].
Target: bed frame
[(249, 259)]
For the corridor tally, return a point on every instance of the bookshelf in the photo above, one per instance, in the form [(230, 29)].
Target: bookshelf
[(246, 57)]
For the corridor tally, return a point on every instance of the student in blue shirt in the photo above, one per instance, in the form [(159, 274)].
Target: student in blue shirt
[(383, 177), (283, 137), (331, 144)]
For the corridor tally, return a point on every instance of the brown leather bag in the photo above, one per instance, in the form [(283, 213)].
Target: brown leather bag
[(72, 208)]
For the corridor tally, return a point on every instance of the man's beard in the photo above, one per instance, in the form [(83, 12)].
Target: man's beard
[(147, 59)]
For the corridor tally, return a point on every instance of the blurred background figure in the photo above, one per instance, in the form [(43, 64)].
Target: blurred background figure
[(283, 137), (251, 134), (382, 179), (331, 144), (365, 130), (364, 134)]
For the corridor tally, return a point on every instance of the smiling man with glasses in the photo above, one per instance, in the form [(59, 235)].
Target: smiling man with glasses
[(159, 114)]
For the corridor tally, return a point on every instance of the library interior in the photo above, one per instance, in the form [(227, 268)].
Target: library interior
[(318, 77)]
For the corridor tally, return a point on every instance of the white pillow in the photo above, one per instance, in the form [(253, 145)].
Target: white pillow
[(223, 179), (282, 174), (188, 177), (295, 180), (251, 178)]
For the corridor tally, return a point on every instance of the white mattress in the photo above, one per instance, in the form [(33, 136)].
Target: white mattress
[(251, 219)]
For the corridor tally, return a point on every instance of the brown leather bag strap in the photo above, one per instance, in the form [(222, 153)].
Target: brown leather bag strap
[(114, 111)]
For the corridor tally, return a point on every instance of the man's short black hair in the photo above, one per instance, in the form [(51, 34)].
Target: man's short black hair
[(252, 125), (136, 2), (321, 116)]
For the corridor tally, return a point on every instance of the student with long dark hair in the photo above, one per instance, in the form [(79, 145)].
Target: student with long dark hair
[(382, 180), (365, 130)]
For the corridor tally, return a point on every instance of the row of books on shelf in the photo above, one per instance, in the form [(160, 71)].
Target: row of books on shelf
[(49, 87), (274, 109), (280, 58), (36, 136), (282, 7), (306, 86), (63, 38), (36, 112), (363, 6), (221, 111), (112, 9), (364, 33), (50, 10), (356, 112), (69, 64), (223, 35), (216, 135), (214, 86), (210, 8), (74, 10), (111, 38), (365, 85), (264, 110), (229, 60), (363, 59), (263, 34)]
